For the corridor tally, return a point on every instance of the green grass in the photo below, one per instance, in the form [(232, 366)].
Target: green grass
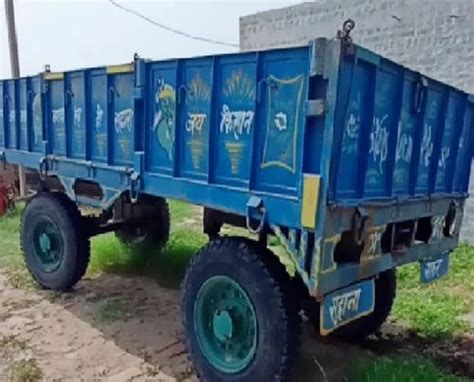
[(10, 239), (10, 251), (399, 369), (167, 266), (434, 311), (180, 211)]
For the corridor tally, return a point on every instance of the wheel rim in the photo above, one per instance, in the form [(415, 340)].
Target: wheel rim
[(225, 324), (48, 244)]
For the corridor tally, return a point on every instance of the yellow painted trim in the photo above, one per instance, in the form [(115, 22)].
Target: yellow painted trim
[(309, 206), (116, 69), (53, 76)]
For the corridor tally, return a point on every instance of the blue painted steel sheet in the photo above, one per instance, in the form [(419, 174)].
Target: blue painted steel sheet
[(434, 268), (398, 134), (351, 126), (346, 305)]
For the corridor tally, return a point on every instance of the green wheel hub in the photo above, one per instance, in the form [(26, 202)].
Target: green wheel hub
[(225, 324), (48, 244)]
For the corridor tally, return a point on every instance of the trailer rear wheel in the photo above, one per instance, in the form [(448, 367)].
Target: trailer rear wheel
[(55, 246), (240, 324), (151, 232)]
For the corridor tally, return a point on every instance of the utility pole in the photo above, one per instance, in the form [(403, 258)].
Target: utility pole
[(15, 68)]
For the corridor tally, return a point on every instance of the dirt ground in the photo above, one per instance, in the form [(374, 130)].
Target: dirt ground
[(116, 328)]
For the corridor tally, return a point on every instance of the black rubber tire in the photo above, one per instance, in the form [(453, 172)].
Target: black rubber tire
[(385, 292), (76, 245), (156, 228), (267, 284)]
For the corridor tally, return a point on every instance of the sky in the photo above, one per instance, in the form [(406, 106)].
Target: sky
[(75, 34)]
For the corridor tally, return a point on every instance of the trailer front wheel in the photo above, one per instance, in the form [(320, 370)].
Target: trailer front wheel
[(239, 322), (55, 246)]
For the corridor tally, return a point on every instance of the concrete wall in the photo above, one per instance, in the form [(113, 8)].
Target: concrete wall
[(434, 37)]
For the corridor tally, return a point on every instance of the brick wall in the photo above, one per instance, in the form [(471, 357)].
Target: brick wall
[(434, 37)]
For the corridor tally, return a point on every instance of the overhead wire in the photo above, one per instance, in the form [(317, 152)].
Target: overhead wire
[(170, 29)]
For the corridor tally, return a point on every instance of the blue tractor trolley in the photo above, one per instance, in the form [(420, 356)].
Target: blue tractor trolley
[(357, 164)]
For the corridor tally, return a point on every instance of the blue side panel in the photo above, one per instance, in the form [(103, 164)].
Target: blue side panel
[(281, 125), (431, 126), (37, 127), (464, 157), (446, 153), (383, 130), (406, 136), (23, 102), (98, 119), (195, 103), (12, 119), (355, 111), (57, 120), (2, 117), (122, 131), (236, 95), (160, 121), (76, 114)]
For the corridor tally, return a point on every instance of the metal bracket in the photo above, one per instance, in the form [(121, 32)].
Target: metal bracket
[(315, 107), (43, 168), (359, 218), (318, 50), (255, 204), (135, 184)]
